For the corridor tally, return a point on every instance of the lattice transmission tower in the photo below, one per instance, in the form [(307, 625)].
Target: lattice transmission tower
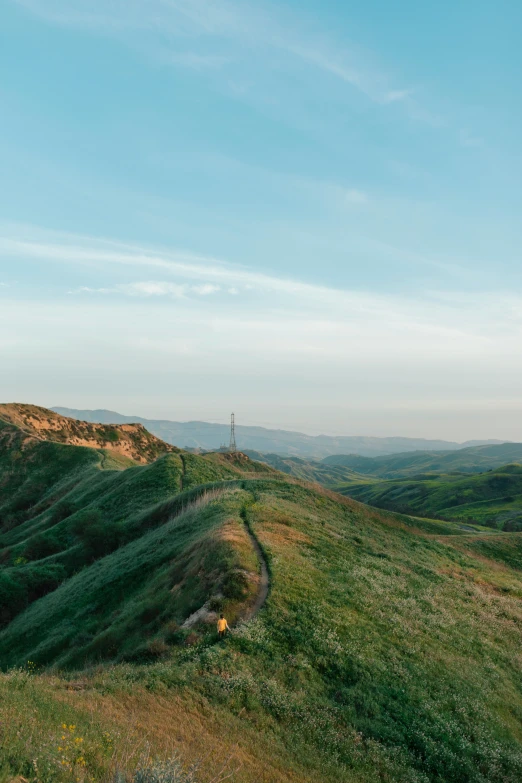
[(232, 448)]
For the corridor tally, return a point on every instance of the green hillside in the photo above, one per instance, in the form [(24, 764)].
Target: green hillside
[(388, 647), (493, 498), (475, 459)]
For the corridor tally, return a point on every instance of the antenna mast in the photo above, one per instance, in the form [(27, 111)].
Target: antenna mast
[(232, 448)]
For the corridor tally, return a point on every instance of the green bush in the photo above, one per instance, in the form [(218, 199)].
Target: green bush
[(62, 510), (170, 771), (12, 597), (98, 535), (235, 585), (41, 546)]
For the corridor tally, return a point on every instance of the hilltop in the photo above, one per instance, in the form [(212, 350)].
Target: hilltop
[(388, 647), (132, 441), (208, 436)]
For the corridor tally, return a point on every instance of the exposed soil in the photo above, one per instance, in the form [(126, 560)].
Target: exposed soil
[(264, 583), (128, 440)]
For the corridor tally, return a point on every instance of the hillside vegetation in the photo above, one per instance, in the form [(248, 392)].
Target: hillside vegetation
[(493, 498), (388, 648), (132, 441)]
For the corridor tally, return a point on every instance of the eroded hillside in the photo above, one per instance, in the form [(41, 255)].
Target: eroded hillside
[(127, 440)]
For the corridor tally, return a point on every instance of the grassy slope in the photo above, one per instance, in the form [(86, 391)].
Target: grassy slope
[(388, 649), (50, 549), (493, 498)]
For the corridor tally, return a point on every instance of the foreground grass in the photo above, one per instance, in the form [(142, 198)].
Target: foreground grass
[(386, 651), (51, 732)]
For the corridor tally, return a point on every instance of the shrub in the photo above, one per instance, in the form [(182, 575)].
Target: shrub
[(235, 585), (98, 536), (170, 771), (41, 546), (62, 510), (12, 598)]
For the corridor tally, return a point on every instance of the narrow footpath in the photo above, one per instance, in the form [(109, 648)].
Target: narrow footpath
[(264, 584)]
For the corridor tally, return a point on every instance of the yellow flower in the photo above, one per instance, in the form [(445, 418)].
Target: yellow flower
[(64, 725)]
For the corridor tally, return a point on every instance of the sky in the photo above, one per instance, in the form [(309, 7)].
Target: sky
[(305, 212)]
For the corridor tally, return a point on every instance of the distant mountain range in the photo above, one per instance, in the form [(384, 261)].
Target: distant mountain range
[(206, 436)]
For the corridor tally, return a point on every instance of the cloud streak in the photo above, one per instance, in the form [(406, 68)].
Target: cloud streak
[(210, 23), (191, 275), (176, 320), (153, 288)]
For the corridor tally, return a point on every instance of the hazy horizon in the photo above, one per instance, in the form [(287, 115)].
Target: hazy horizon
[(285, 210), (268, 424)]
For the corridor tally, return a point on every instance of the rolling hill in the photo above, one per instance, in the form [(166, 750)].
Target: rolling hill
[(308, 470), (207, 436), (388, 647), (493, 498), (474, 459)]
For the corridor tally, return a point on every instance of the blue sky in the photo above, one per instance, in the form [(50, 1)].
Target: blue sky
[(308, 212)]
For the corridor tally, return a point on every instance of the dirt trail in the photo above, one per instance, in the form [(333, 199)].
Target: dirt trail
[(205, 614), (264, 584)]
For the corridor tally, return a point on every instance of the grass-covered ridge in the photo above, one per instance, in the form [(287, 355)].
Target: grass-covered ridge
[(388, 648)]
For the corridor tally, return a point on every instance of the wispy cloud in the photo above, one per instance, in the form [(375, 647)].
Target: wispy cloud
[(152, 288), (162, 288), (395, 96), (354, 196), (85, 289), (323, 346), (468, 139), (198, 276), (209, 22), (197, 62), (210, 271)]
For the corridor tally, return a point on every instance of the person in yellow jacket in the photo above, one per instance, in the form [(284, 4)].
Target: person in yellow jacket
[(222, 626)]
